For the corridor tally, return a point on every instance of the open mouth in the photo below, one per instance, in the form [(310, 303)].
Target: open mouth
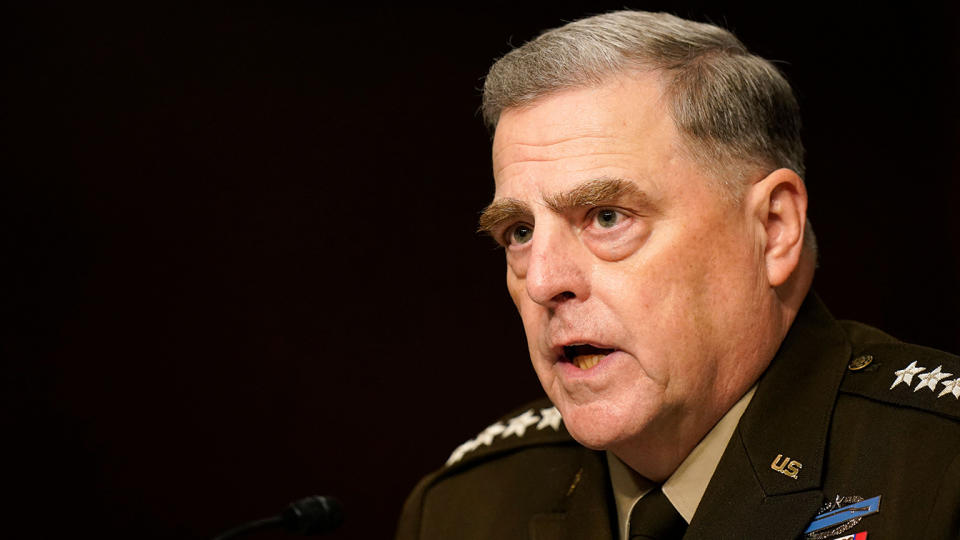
[(584, 356)]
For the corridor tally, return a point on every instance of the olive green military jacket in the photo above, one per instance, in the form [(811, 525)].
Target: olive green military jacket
[(843, 413)]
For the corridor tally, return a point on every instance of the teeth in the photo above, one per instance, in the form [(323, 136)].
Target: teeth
[(587, 361)]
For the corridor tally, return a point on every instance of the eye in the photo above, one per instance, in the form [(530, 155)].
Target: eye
[(607, 218), (519, 234)]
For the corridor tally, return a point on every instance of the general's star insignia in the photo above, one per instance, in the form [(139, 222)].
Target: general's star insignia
[(487, 435), (518, 425), (461, 450), (906, 374), (551, 417), (930, 380), (951, 387)]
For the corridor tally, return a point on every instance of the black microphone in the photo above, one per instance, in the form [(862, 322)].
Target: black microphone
[(309, 516)]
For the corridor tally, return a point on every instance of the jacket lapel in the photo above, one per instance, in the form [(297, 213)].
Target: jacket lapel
[(768, 482), (735, 505)]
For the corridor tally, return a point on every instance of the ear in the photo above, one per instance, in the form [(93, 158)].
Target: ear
[(779, 203)]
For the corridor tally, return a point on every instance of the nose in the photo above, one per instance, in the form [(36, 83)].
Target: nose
[(556, 269)]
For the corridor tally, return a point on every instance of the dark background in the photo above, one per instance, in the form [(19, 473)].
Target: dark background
[(239, 251)]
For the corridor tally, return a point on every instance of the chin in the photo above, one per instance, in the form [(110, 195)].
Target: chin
[(591, 440), (597, 428)]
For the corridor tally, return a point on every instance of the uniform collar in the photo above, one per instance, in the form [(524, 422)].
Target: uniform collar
[(753, 493)]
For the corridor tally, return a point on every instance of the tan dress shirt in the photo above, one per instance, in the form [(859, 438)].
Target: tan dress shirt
[(686, 485)]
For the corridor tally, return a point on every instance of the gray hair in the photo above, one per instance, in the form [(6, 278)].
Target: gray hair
[(731, 107)]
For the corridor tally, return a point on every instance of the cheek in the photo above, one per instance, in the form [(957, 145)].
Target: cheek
[(662, 299), (681, 302)]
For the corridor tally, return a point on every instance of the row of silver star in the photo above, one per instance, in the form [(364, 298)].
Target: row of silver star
[(928, 380), (549, 417)]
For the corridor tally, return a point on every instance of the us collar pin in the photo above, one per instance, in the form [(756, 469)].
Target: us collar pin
[(787, 466)]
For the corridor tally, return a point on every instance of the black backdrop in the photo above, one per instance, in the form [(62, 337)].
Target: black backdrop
[(239, 244)]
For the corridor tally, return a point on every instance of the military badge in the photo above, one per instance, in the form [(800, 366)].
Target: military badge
[(858, 536), (840, 515)]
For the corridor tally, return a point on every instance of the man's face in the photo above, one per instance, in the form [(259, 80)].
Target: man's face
[(638, 284)]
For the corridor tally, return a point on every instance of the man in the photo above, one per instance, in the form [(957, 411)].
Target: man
[(651, 204)]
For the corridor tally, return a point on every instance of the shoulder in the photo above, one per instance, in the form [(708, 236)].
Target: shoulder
[(523, 435), (492, 483), (895, 433), (888, 371)]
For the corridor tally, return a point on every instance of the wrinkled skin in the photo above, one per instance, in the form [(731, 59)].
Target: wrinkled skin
[(662, 269)]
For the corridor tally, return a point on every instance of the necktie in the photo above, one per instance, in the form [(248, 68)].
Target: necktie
[(654, 518)]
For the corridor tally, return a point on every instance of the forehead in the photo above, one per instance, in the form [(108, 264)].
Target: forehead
[(622, 122)]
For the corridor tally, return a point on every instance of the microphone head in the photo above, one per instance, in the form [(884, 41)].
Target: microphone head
[(313, 515)]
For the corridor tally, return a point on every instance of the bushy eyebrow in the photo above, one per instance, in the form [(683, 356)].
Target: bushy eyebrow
[(596, 192), (502, 211), (592, 193)]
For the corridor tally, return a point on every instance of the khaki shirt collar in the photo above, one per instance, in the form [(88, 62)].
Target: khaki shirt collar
[(686, 485)]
